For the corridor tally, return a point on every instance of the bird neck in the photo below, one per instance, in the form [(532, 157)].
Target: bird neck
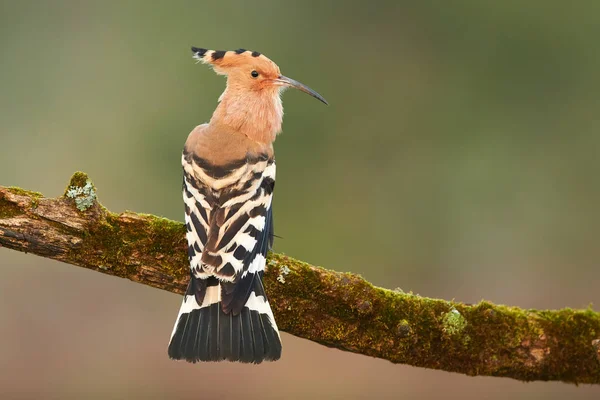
[(256, 114)]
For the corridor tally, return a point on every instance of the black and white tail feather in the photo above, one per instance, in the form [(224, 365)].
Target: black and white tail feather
[(225, 313)]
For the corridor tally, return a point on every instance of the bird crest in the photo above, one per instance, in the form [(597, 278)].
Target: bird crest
[(224, 61)]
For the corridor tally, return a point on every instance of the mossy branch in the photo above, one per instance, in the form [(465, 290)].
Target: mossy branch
[(339, 310)]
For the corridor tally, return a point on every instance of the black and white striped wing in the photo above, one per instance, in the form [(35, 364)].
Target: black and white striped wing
[(248, 281), (197, 200), (245, 236)]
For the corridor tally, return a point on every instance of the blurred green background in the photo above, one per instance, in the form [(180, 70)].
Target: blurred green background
[(458, 159)]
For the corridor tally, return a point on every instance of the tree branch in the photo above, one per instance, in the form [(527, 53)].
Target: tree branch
[(339, 310)]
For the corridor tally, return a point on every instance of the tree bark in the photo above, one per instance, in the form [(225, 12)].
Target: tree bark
[(339, 310)]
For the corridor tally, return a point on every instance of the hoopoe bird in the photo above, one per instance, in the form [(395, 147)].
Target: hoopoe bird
[(228, 181)]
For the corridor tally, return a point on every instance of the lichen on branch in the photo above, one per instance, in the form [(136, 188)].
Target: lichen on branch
[(339, 310), (84, 196)]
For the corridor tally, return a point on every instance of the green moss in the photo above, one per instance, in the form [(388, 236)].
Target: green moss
[(332, 308), (79, 179), (35, 196), (8, 209), (128, 239), (343, 310), (103, 246), (23, 192), (596, 345), (167, 239), (453, 322), (403, 329)]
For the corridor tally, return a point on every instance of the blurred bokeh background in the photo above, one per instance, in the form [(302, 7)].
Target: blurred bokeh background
[(459, 159)]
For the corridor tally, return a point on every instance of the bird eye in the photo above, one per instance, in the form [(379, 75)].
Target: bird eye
[(254, 74)]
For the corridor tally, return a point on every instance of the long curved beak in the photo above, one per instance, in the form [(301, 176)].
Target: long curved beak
[(285, 81)]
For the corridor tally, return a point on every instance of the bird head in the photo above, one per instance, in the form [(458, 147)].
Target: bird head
[(250, 71)]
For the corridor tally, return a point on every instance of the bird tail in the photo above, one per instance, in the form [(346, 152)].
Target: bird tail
[(204, 332)]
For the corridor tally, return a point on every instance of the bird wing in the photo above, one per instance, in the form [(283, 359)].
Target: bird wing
[(197, 199), (234, 295), (197, 213), (230, 230), (244, 236)]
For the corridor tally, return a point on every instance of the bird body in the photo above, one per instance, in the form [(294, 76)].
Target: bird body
[(229, 177)]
